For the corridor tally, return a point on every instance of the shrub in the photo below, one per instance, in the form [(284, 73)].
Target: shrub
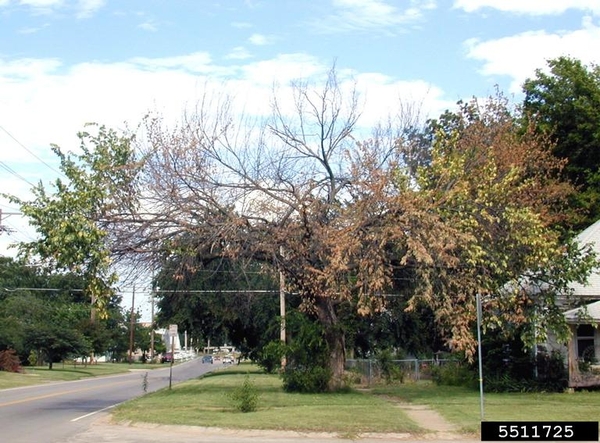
[(269, 358), (245, 397), (9, 361), (307, 380), (454, 373), (307, 356), (389, 370)]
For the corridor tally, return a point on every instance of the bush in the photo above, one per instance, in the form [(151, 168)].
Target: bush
[(269, 358), (454, 373), (9, 361), (510, 367), (389, 370), (307, 380), (307, 356), (245, 398)]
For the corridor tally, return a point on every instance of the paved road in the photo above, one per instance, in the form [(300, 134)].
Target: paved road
[(56, 412)]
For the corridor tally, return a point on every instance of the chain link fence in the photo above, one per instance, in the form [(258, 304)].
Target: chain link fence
[(368, 371)]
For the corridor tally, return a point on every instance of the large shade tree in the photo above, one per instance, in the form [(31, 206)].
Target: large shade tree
[(564, 102), (340, 218)]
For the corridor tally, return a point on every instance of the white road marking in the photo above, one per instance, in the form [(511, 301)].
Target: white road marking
[(95, 412)]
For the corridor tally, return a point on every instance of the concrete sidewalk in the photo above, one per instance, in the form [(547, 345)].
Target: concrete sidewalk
[(102, 430)]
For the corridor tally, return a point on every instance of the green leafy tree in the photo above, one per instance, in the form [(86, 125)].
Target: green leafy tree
[(208, 300), (71, 220), (36, 307), (50, 327), (497, 191), (564, 102)]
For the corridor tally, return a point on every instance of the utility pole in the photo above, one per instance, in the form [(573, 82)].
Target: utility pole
[(282, 308), (152, 325), (6, 215), (282, 305), (132, 326)]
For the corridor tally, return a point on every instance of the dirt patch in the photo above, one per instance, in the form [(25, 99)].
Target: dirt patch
[(104, 430), (431, 422)]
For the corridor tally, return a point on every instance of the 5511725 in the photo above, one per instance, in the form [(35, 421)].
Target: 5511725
[(540, 431)]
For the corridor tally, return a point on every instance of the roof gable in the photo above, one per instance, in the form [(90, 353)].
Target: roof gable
[(589, 236)]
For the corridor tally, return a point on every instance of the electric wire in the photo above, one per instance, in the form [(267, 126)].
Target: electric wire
[(29, 151)]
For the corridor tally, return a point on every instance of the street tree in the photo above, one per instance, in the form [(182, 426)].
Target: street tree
[(70, 218), (563, 101), (497, 190), (341, 219)]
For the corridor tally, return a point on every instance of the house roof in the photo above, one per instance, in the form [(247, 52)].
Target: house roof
[(579, 315), (590, 236)]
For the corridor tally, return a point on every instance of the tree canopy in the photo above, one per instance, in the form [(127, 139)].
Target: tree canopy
[(564, 102), (47, 315), (71, 221)]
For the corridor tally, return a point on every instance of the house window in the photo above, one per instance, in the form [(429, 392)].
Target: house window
[(585, 343)]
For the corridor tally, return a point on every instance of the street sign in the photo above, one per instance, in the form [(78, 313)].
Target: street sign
[(172, 330)]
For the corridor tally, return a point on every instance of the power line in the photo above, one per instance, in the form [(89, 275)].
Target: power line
[(28, 150), (13, 172)]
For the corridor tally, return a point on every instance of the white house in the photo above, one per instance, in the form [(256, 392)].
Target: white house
[(583, 349)]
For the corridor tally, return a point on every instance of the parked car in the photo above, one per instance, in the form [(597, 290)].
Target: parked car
[(228, 360), (207, 359)]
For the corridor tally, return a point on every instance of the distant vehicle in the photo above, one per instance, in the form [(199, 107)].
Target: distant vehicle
[(207, 359), (228, 360), (167, 357)]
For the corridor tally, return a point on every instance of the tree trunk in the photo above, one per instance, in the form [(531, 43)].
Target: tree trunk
[(334, 335)]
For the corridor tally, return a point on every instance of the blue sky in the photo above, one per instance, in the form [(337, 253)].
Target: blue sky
[(67, 62)]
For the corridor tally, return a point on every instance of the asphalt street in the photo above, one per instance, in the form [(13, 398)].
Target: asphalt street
[(54, 412)]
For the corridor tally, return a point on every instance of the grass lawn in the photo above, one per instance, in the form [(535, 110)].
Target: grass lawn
[(461, 406), (67, 372), (207, 402)]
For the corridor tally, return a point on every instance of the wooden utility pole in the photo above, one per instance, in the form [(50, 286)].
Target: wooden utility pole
[(282, 305), (132, 325), (152, 325)]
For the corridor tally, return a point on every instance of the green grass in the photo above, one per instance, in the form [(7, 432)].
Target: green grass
[(461, 406), (67, 372), (206, 402)]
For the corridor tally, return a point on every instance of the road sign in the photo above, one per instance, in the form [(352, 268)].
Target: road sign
[(172, 330)]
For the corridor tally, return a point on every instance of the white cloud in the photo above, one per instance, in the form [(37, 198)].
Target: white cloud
[(57, 100), (372, 15), (42, 3), (82, 8), (148, 26), (532, 7), (260, 39), (27, 68), (239, 53), (198, 62), (32, 30), (520, 55), (87, 8), (241, 25)]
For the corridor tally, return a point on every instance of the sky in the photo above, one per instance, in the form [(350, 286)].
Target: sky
[(65, 63)]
